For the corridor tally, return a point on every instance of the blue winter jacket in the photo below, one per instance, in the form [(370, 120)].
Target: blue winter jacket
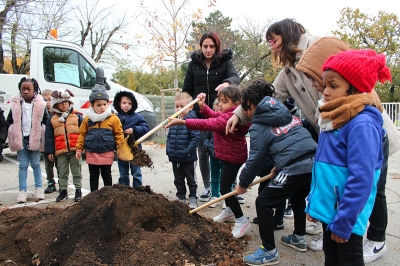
[(182, 143), (209, 143), (345, 173)]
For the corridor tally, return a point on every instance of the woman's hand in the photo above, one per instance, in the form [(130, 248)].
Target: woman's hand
[(221, 86), (202, 97), (174, 122), (231, 124), (338, 239)]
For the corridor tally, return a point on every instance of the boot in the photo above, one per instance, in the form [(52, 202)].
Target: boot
[(50, 188), (63, 195), (78, 195)]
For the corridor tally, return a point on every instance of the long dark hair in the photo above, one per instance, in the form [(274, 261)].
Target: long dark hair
[(217, 42), (291, 31), (34, 82)]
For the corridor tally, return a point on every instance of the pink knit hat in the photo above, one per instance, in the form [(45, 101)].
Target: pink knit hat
[(362, 68)]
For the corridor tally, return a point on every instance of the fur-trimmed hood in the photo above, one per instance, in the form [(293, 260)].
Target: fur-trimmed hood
[(227, 54), (117, 100)]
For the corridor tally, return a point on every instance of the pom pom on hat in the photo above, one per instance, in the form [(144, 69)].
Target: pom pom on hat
[(59, 96), (362, 68), (98, 93)]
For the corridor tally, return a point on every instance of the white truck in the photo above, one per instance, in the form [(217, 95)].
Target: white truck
[(59, 64)]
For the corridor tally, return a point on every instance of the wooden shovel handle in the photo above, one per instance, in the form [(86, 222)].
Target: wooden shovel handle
[(232, 193), (163, 123)]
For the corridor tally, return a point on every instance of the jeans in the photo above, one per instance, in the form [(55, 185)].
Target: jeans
[(124, 173), (296, 188), (25, 157), (379, 216), (348, 253), (204, 161), (215, 166)]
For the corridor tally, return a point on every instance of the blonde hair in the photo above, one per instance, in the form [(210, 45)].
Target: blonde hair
[(183, 96), (47, 92), (215, 104)]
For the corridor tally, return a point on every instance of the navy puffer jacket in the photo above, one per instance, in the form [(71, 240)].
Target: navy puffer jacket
[(182, 143)]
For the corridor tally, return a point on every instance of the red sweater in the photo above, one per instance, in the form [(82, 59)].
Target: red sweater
[(231, 148)]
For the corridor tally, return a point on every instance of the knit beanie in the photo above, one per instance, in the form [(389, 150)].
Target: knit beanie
[(98, 93), (59, 96), (362, 68)]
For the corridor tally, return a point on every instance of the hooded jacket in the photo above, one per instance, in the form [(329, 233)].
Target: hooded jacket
[(200, 79), (276, 134), (39, 119), (130, 119), (345, 173)]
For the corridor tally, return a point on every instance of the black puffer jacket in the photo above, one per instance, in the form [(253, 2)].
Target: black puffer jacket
[(198, 79), (3, 132)]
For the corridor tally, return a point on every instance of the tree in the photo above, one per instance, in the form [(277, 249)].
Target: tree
[(380, 33), (168, 29)]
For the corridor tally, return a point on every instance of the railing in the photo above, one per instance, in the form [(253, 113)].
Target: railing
[(393, 110)]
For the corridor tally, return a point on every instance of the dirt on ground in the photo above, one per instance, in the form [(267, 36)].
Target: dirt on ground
[(116, 225)]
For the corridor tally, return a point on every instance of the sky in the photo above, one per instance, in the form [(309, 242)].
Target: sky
[(318, 17)]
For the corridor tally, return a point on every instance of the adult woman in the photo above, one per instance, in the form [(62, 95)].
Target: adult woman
[(210, 70)]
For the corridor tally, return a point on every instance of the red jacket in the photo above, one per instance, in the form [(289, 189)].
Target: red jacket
[(231, 148)]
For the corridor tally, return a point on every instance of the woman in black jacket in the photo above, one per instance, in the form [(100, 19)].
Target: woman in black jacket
[(210, 70)]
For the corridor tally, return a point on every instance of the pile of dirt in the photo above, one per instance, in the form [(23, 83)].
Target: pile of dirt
[(116, 225)]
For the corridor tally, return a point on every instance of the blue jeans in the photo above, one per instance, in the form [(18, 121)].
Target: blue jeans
[(25, 157), (124, 173)]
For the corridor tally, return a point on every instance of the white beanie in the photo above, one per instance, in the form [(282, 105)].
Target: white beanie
[(59, 96)]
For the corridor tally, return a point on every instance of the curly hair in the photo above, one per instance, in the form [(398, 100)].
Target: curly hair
[(34, 82), (255, 90), (290, 31)]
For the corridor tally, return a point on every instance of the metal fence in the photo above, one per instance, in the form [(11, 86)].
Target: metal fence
[(393, 110)]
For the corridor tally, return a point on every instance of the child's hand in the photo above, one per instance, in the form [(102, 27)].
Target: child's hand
[(50, 157), (309, 218), (240, 190), (338, 239), (174, 122), (202, 97), (129, 131), (78, 154)]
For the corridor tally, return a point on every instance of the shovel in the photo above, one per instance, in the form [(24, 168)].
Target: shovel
[(232, 193)]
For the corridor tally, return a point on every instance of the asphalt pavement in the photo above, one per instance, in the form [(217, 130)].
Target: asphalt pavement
[(160, 179)]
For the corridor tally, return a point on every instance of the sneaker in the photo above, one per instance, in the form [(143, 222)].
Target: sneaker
[(262, 257), (182, 200), (21, 196), (214, 204), (226, 215), (317, 244), (78, 195), (242, 226), (63, 195), (192, 203), (206, 195), (288, 213), (314, 228), (255, 220), (50, 188), (279, 226), (240, 199), (293, 242), (224, 205), (39, 194), (373, 250)]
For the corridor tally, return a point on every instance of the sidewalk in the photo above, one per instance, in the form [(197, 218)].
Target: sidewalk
[(160, 179)]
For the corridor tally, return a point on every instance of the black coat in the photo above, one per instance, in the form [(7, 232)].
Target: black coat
[(3, 132), (198, 79)]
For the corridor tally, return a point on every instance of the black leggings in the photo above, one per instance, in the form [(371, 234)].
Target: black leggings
[(94, 172), (229, 172)]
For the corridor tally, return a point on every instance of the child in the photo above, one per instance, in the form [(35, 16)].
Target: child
[(181, 150), (132, 123), (349, 156), (26, 120), (230, 149), (3, 133), (277, 134), (99, 134), (215, 164), (49, 165), (62, 132)]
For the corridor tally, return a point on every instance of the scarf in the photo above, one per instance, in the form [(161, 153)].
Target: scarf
[(64, 115), (98, 117), (335, 114)]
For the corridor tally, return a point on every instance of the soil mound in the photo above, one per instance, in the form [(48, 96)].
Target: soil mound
[(116, 225)]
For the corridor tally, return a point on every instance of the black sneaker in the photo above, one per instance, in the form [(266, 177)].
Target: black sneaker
[(78, 195), (279, 226), (50, 188), (206, 195), (288, 213), (240, 199), (255, 220), (63, 195)]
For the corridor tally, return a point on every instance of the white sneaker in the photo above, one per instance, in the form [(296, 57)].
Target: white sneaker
[(317, 244), (373, 250), (224, 205), (314, 228), (242, 226), (214, 204), (21, 196), (226, 215), (192, 203), (39, 194)]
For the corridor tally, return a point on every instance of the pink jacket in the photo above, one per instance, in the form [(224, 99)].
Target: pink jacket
[(231, 148)]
